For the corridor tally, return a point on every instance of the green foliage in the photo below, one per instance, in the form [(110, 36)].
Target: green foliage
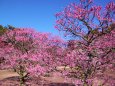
[(4, 29)]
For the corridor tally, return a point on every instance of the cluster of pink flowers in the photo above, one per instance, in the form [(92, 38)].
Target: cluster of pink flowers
[(27, 50), (85, 59), (92, 51)]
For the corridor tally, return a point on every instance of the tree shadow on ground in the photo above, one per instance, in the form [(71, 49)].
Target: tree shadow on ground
[(14, 81), (61, 84)]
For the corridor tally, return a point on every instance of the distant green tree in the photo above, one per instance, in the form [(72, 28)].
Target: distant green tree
[(3, 29)]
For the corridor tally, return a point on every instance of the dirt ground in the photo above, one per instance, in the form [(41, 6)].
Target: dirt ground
[(10, 78), (6, 74)]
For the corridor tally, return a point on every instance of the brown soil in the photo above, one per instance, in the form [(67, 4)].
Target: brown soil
[(10, 78), (7, 73)]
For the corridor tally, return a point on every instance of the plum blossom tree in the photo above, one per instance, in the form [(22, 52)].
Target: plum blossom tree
[(93, 49), (26, 52), (3, 44)]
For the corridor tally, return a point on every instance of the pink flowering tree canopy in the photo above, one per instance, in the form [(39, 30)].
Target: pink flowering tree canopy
[(85, 19), (93, 50), (27, 52)]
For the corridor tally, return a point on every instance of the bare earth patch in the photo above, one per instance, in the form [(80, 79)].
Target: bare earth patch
[(7, 73), (10, 78)]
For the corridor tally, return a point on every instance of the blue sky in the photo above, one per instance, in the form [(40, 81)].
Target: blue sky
[(37, 14)]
